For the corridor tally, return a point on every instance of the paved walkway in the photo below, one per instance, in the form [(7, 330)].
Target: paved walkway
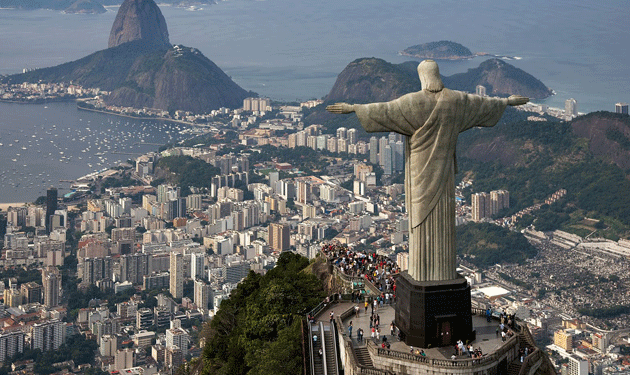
[(486, 332)]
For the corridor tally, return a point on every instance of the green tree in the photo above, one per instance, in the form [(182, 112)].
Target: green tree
[(257, 329)]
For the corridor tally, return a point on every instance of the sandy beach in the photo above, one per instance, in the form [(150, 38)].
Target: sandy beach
[(5, 206)]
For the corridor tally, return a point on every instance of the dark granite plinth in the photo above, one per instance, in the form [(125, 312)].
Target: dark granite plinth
[(433, 313)]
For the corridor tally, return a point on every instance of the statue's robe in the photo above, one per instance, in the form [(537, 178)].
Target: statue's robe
[(432, 123)]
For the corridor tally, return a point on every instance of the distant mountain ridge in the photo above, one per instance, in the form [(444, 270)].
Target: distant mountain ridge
[(142, 69), (373, 80), (589, 157)]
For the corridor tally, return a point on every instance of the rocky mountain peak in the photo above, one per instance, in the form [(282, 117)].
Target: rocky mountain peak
[(139, 20)]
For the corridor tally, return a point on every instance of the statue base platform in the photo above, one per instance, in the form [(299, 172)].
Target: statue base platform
[(433, 313)]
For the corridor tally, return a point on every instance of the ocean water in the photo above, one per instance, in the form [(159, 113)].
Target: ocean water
[(42, 144), (293, 50)]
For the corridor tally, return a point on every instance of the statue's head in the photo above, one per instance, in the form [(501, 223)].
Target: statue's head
[(430, 76)]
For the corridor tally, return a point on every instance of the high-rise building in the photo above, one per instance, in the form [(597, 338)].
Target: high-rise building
[(197, 266), (234, 272), (166, 193), (499, 199), (570, 108), (124, 359), (577, 365), (156, 281), (480, 90), (11, 343), (202, 294), (304, 189), (352, 136), (176, 275), (479, 206), (178, 337), (256, 104), (144, 318), (12, 297), (48, 335), (564, 339), (133, 267), (386, 160), (173, 357), (621, 108), (342, 133), (322, 141), (374, 150), (162, 316), (51, 206), (31, 292), (92, 270), (399, 156), (331, 144), (382, 142), (108, 346), (402, 259), (279, 236), (273, 180), (51, 280), (193, 202)]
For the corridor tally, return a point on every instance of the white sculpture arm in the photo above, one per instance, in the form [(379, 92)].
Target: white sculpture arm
[(514, 100), (340, 108)]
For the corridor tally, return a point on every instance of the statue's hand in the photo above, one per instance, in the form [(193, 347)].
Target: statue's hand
[(517, 100), (340, 108)]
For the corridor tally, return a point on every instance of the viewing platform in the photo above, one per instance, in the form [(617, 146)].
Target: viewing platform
[(368, 356)]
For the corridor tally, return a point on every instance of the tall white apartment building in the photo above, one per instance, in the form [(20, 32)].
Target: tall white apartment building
[(47, 335), (10, 344), (178, 337), (176, 269)]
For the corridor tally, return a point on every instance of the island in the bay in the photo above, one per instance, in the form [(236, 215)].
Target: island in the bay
[(445, 50)]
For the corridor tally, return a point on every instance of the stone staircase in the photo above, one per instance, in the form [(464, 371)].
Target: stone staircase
[(515, 367), (363, 356)]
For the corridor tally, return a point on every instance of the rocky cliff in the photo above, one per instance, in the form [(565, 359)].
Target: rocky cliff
[(139, 20)]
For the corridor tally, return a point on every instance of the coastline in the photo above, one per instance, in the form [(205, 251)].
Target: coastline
[(5, 206), (136, 117), (451, 58), (39, 101)]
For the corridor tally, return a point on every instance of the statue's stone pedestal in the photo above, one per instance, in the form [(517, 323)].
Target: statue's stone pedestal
[(433, 313)]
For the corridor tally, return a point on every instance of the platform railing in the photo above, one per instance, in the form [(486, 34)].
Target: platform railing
[(512, 344)]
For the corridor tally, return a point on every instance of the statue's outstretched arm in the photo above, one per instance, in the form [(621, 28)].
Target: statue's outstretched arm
[(514, 100), (340, 108)]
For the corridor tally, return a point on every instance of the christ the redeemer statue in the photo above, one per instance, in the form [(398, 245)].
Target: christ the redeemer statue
[(432, 120)]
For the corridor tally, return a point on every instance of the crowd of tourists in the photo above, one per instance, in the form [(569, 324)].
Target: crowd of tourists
[(377, 269), (380, 270)]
